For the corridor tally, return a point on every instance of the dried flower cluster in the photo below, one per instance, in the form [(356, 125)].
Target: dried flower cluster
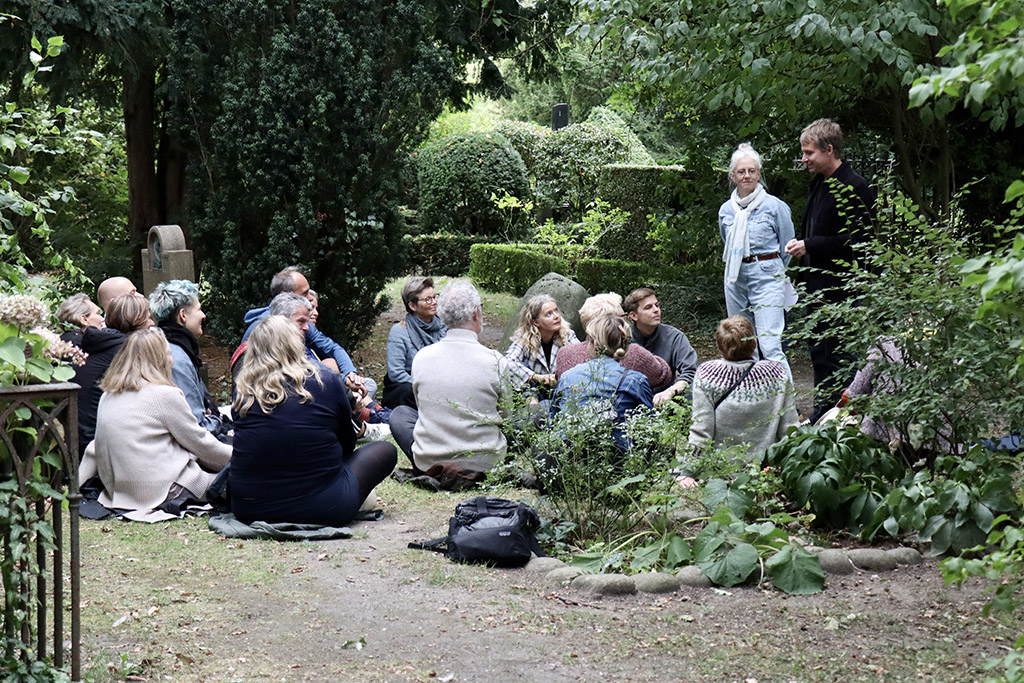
[(24, 312), (58, 349)]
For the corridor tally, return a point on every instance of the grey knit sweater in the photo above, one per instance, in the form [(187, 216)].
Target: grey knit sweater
[(146, 441), (757, 412)]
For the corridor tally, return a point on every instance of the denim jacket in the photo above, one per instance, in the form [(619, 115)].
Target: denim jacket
[(769, 227)]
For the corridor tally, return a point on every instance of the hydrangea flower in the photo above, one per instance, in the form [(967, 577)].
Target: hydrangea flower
[(24, 312)]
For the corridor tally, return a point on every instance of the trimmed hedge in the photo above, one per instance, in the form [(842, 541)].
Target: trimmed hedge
[(641, 190), (511, 268), (690, 295), (457, 176), (611, 275), (606, 118), (440, 253), (526, 137), (569, 162)]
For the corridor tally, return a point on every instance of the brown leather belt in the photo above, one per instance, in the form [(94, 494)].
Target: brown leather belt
[(760, 257)]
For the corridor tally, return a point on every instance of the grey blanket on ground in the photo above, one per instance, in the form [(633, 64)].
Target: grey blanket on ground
[(227, 525)]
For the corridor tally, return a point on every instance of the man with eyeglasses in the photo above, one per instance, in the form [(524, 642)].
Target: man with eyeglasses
[(838, 214)]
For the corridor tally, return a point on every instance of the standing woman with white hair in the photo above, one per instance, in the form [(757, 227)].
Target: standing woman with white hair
[(755, 227)]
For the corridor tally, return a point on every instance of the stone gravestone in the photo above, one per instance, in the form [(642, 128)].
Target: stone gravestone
[(166, 258), (569, 295)]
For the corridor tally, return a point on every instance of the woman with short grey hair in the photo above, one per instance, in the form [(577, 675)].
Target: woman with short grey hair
[(421, 327), (78, 312), (176, 309)]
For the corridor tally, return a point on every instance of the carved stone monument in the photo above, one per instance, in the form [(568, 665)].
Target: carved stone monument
[(166, 258)]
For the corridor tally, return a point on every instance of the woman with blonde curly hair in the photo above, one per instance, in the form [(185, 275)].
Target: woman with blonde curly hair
[(602, 383), (295, 458), (149, 451), (542, 331)]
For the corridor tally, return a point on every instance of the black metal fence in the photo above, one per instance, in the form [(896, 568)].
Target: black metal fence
[(39, 471)]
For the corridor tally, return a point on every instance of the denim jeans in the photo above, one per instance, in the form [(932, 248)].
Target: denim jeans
[(758, 294)]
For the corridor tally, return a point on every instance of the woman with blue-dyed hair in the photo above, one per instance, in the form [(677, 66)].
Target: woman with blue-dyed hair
[(176, 309)]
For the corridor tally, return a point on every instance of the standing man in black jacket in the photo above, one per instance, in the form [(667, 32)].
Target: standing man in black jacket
[(838, 214)]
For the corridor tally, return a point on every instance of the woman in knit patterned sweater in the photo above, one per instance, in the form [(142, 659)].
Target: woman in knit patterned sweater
[(737, 400)]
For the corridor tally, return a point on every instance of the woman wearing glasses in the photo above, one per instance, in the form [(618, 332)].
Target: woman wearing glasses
[(420, 328), (755, 227)]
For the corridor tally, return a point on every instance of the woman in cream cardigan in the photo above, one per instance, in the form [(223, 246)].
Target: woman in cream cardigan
[(149, 449)]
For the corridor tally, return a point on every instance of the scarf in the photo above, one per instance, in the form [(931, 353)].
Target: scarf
[(737, 246), (179, 335), (424, 334)]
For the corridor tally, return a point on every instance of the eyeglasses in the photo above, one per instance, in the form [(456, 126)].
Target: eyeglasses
[(426, 300), (746, 171)]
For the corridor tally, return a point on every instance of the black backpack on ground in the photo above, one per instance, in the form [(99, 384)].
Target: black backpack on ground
[(488, 530)]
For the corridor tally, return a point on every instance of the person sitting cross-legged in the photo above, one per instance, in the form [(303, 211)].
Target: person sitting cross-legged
[(662, 340), (326, 349), (177, 311), (294, 448), (737, 400), (149, 452), (602, 384), (457, 384), (125, 314), (541, 333), (654, 368), (421, 328), (78, 313)]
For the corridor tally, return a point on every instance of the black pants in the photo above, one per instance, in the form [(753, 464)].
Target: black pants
[(399, 394), (828, 362)]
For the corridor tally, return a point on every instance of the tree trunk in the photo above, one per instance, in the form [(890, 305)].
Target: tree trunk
[(139, 103)]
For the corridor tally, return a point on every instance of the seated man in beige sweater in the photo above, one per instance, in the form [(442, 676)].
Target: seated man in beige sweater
[(457, 383)]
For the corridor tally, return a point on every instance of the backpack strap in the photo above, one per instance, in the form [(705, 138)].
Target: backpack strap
[(733, 387), (437, 545)]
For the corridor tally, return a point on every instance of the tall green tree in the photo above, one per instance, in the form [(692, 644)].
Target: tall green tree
[(773, 66), (114, 55), (300, 116)]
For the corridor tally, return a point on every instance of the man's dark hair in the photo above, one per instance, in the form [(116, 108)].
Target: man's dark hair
[(632, 302), (283, 281)]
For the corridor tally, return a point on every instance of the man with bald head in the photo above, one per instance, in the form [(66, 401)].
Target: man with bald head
[(111, 288)]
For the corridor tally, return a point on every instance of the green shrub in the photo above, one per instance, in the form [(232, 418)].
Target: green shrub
[(457, 176), (685, 229), (842, 474), (508, 268), (606, 118), (440, 253), (569, 161), (610, 275), (526, 137)]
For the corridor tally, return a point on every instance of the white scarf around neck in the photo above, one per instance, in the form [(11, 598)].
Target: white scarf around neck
[(737, 245)]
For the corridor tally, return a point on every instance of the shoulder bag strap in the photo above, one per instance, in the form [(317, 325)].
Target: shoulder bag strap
[(733, 387), (438, 545)]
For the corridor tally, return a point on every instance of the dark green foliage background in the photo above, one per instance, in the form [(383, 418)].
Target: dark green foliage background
[(440, 254), (302, 112), (457, 176)]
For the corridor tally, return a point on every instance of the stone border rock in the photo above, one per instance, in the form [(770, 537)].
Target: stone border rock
[(835, 561)]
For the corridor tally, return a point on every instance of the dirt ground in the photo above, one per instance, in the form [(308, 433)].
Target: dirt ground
[(175, 602)]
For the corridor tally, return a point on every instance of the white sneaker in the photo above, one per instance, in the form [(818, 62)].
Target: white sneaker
[(370, 503), (375, 432)]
